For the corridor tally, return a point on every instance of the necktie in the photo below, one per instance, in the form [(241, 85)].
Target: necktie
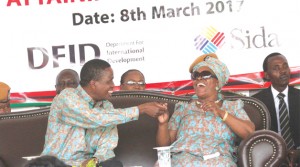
[(284, 122)]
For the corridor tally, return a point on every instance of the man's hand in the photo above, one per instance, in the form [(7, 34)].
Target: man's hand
[(153, 109)]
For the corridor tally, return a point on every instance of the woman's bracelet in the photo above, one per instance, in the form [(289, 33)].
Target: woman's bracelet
[(225, 116)]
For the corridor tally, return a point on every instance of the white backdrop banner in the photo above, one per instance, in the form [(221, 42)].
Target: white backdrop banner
[(161, 38)]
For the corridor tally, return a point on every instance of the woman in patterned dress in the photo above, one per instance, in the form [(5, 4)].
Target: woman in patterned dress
[(207, 125)]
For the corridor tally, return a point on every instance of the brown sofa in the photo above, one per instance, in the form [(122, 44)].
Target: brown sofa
[(22, 133)]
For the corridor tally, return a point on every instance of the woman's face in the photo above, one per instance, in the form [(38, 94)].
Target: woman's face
[(205, 84)]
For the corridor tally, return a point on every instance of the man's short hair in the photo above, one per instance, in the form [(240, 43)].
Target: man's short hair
[(92, 70), (265, 63), (67, 70)]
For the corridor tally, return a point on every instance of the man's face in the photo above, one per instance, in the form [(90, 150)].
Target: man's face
[(134, 80), (66, 80), (278, 72), (103, 88)]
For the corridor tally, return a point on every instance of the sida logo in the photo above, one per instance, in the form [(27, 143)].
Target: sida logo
[(209, 40)]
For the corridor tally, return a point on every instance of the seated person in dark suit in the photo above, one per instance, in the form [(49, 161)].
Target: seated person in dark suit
[(277, 71)]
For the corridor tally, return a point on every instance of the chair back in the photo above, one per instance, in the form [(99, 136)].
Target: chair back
[(22, 135), (264, 147), (256, 110), (138, 138)]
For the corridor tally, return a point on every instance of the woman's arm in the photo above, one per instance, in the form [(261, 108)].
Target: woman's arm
[(243, 128), (164, 136)]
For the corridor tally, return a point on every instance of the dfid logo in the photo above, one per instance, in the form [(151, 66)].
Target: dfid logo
[(209, 40)]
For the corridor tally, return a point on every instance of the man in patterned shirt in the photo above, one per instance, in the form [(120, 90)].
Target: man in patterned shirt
[(82, 124)]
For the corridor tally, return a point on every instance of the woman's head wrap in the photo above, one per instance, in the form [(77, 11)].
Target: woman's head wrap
[(211, 60)]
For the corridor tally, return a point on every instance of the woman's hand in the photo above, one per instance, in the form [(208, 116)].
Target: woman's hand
[(164, 136), (212, 106), (242, 128), (163, 118)]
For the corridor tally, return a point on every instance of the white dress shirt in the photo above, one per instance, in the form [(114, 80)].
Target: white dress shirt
[(276, 101)]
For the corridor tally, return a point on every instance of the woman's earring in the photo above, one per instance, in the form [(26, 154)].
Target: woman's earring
[(217, 88)]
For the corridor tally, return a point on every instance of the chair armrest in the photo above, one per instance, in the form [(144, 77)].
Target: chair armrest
[(262, 148)]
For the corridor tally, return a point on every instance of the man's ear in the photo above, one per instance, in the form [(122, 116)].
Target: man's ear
[(266, 76), (92, 84)]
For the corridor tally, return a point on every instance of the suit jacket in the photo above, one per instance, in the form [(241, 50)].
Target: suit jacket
[(266, 97)]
